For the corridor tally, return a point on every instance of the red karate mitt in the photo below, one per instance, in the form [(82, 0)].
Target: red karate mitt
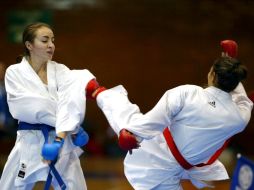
[(230, 47), (93, 89), (127, 141)]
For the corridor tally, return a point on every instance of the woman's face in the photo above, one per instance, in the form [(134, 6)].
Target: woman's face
[(43, 46)]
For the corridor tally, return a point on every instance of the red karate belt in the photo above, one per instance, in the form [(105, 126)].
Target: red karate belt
[(181, 160)]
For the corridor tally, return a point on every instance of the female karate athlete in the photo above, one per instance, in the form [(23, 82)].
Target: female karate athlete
[(41, 96), (183, 135)]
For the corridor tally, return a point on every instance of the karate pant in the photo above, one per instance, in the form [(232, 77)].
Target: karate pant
[(153, 167), (73, 177)]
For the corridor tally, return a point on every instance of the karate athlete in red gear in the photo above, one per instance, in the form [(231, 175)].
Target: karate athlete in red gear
[(183, 135)]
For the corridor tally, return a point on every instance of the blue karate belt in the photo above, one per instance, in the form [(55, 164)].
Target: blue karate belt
[(45, 130)]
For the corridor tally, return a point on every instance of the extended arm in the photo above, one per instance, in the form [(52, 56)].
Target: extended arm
[(239, 96), (122, 114)]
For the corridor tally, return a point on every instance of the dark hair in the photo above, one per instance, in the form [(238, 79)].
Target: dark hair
[(28, 35), (228, 72)]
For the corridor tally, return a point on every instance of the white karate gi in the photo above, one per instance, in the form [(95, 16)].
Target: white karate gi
[(60, 104), (200, 121)]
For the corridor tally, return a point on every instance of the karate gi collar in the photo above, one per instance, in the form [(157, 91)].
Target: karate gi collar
[(30, 72), (35, 79), (218, 92)]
